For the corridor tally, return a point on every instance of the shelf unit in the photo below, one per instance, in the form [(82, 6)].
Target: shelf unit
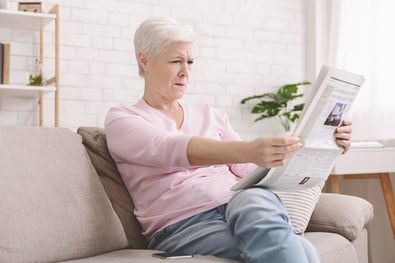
[(35, 22), (25, 91)]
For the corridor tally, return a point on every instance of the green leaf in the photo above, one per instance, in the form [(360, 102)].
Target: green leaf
[(273, 112), (258, 109), (270, 95), (266, 106), (294, 117), (261, 117), (298, 107), (35, 80)]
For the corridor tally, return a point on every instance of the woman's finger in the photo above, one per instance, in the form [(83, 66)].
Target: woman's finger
[(343, 136), (286, 149), (346, 129), (344, 144), (347, 122)]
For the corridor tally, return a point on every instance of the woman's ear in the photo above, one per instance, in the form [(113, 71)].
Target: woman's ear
[(143, 60)]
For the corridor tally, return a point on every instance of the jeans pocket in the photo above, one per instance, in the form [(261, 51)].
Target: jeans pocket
[(160, 235), (158, 238)]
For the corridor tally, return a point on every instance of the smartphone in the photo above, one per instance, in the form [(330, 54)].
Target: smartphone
[(171, 255)]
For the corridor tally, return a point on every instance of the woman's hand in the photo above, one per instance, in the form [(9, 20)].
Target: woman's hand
[(343, 135), (275, 151)]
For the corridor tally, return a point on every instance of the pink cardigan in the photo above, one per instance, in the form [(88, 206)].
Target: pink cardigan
[(150, 153)]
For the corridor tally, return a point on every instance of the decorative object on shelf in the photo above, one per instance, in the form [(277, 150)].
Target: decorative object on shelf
[(5, 50), (279, 104), (34, 7), (36, 79)]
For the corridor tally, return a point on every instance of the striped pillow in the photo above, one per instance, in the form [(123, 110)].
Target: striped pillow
[(300, 205)]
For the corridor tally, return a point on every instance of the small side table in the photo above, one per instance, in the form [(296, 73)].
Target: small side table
[(369, 163)]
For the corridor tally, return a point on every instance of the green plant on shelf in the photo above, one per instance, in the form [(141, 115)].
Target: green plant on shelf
[(36, 79), (279, 105)]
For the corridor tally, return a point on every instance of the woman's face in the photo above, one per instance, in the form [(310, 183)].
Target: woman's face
[(168, 73)]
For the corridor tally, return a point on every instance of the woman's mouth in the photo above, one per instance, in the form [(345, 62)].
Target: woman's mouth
[(179, 85)]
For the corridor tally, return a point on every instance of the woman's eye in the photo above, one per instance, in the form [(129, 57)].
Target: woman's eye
[(189, 62)]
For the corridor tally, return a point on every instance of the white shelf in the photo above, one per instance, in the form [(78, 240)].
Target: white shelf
[(19, 20), (24, 20), (25, 91)]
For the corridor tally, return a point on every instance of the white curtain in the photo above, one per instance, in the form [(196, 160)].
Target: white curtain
[(361, 39)]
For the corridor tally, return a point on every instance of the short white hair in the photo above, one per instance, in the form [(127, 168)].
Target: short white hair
[(155, 34)]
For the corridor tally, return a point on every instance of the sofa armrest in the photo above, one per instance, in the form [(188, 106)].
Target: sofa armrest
[(341, 214)]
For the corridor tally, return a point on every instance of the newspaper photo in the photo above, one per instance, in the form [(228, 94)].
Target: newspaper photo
[(330, 99)]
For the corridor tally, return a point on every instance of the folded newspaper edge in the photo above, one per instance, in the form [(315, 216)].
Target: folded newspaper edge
[(330, 100)]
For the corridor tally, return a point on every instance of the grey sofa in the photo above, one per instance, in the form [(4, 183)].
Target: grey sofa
[(63, 200)]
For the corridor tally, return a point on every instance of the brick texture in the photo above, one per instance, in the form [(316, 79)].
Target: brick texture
[(247, 47)]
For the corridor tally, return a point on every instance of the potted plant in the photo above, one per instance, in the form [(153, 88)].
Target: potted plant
[(279, 104), (36, 79)]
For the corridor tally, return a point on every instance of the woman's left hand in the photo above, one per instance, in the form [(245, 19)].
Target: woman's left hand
[(343, 135)]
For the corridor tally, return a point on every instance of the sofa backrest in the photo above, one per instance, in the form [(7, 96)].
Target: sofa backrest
[(95, 142), (53, 206)]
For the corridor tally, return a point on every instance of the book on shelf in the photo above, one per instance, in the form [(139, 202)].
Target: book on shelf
[(6, 63), (5, 51), (1, 63)]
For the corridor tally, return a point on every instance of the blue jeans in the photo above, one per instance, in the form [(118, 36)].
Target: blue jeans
[(252, 227)]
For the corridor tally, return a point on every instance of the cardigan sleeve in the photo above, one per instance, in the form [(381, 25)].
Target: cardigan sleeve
[(229, 134)]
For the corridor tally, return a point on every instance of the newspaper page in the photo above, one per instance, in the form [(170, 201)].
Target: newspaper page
[(330, 100)]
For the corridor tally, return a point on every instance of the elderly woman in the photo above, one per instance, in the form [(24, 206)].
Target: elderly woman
[(179, 162)]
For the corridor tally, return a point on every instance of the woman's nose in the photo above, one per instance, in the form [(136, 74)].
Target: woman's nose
[(184, 70)]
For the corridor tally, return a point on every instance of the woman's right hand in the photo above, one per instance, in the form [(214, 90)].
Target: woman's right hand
[(274, 151)]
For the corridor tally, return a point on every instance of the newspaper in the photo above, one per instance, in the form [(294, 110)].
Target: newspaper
[(330, 100)]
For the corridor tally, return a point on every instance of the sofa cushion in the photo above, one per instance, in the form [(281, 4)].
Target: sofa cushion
[(145, 256), (333, 248), (95, 142), (53, 206), (342, 214), (361, 246)]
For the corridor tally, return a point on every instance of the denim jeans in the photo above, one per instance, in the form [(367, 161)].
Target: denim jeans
[(252, 227)]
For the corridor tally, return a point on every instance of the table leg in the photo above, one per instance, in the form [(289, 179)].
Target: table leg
[(389, 198), (335, 184), (386, 186)]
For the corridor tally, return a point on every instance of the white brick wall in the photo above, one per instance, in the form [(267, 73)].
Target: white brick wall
[(247, 47)]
